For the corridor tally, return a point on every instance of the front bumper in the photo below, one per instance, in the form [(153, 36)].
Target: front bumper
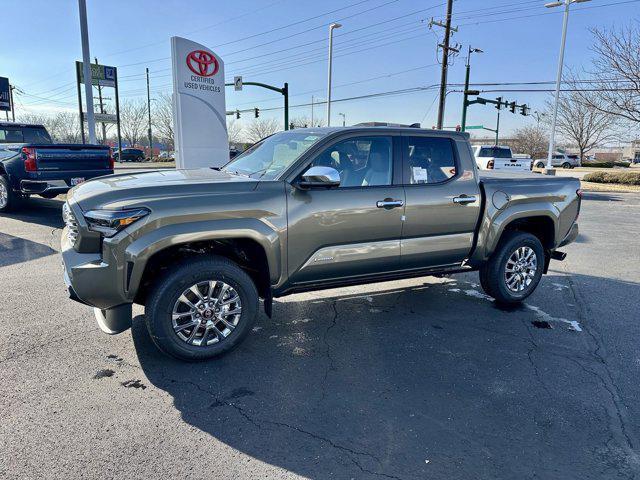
[(96, 283)]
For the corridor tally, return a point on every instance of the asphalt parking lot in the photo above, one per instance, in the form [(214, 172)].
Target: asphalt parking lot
[(417, 379)]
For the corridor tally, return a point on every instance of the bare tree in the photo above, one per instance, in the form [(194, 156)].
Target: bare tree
[(585, 124), (260, 128), (66, 128), (133, 121), (532, 140), (163, 118), (234, 130), (616, 72)]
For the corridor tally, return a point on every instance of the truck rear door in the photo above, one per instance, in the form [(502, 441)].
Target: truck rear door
[(443, 201)]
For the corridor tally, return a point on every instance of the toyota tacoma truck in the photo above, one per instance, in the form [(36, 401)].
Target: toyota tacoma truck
[(31, 164), (304, 210)]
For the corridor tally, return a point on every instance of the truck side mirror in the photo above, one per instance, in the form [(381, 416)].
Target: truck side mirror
[(320, 177)]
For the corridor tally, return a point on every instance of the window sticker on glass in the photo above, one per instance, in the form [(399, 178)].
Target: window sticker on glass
[(420, 175)]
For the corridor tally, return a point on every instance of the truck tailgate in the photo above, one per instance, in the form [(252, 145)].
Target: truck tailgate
[(72, 157)]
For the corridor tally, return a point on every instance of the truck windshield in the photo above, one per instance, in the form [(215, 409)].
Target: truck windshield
[(24, 135), (270, 157)]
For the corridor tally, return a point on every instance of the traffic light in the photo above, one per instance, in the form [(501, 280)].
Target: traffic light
[(256, 112), (523, 109), (512, 107), (237, 113), (499, 104)]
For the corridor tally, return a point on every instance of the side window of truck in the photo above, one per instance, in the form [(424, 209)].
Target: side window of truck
[(361, 161), (429, 160)]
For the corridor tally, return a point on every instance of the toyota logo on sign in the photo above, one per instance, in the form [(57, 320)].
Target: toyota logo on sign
[(202, 63)]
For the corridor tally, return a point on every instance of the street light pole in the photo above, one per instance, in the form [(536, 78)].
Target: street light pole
[(466, 87), (331, 28), (344, 119), (552, 136), (86, 71), (149, 111)]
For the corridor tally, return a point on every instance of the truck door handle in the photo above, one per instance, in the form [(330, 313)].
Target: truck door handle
[(464, 199), (389, 203)]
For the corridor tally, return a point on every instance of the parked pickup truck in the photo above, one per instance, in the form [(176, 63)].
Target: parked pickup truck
[(497, 157), (304, 210), (40, 167)]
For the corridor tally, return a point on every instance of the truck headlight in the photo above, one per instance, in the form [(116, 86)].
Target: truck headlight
[(110, 222)]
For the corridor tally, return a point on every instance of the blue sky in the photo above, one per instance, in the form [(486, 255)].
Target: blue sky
[(383, 45)]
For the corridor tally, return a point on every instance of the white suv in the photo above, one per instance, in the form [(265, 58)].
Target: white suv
[(560, 160)]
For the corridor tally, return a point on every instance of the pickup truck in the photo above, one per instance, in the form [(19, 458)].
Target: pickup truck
[(497, 157), (31, 164), (304, 210)]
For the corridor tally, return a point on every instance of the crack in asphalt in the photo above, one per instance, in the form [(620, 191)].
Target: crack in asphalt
[(258, 423), (607, 383), (39, 346), (331, 365)]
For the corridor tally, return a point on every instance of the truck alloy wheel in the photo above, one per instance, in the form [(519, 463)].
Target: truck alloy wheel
[(205, 307), (206, 313), (4, 195), (520, 269), (515, 269)]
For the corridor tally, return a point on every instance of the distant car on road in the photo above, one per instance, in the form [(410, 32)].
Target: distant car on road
[(129, 155), (560, 160), (498, 157)]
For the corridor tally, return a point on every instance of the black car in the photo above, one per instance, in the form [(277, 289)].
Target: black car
[(129, 155)]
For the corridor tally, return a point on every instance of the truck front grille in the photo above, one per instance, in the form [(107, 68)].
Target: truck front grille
[(70, 222)]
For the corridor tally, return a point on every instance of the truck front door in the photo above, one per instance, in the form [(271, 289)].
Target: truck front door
[(443, 201), (354, 229)]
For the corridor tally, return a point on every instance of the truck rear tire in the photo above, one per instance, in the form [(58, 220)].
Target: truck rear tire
[(514, 270), (9, 200), (205, 307)]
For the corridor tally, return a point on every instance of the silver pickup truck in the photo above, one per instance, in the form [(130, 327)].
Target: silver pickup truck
[(304, 210)]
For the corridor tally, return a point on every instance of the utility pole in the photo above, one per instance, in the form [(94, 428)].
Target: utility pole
[(149, 111), (104, 128), (312, 111), (445, 59), (86, 70)]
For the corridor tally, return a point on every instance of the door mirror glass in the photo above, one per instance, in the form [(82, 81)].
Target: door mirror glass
[(326, 177)]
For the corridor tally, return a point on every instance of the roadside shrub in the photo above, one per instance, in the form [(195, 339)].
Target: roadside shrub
[(624, 178), (606, 164)]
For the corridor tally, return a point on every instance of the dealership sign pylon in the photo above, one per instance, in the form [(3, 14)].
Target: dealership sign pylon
[(199, 110)]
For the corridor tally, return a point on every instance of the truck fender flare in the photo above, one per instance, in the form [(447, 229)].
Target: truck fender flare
[(491, 231), (142, 249)]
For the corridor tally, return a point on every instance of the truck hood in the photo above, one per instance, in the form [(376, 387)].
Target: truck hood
[(125, 189)]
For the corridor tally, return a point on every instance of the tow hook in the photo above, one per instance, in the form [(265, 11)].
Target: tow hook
[(560, 256)]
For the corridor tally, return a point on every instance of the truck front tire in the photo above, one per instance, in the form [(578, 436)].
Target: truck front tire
[(203, 308), (515, 268)]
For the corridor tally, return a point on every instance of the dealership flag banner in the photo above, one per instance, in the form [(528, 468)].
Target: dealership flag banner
[(199, 112)]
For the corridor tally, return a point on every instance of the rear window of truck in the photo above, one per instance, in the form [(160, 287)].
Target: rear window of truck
[(24, 135)]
